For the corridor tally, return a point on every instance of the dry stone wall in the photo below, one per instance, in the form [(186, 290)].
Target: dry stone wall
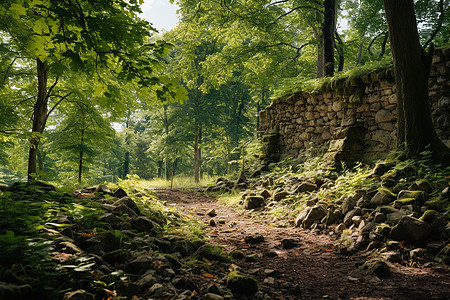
[(354, 122)]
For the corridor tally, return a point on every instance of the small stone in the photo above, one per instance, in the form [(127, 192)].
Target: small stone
[(269, 280), (289, 243), (254, 239), (381, 198), (211, 296), (120, 193), (212, 213), (348, 217), (251, 258), (265, 194), (419, 254), (377, 267), (78, 295), (212, 223), (340, 228), (270, 254), (392, 256), (379, 218)]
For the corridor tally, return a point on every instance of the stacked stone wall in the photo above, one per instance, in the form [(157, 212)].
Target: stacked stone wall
[(316, 120)]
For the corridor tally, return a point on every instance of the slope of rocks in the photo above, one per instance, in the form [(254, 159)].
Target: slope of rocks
[(116, 248)]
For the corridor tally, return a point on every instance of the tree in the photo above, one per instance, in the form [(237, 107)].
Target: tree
[(81, 136), (81, 36), (412, 65)]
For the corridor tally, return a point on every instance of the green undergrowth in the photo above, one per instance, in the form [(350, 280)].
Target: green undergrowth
[(344, 83), (399, 173), (31, 213)]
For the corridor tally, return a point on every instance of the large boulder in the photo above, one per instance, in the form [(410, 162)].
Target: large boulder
[(252, 202), (411, 230)]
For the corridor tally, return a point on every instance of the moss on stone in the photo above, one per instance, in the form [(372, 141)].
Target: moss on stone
[(242, 284), (428, 216), (214, 253), (437, 204), (386, 191)]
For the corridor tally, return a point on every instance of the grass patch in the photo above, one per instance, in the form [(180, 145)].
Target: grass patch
[(179, 182)]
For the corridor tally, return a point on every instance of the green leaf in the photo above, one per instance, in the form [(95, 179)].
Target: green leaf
[(16, 10)]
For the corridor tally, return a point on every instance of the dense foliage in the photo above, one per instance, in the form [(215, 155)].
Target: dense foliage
[(121, 99)]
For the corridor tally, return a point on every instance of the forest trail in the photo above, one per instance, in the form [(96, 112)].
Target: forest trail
[(313, 268)]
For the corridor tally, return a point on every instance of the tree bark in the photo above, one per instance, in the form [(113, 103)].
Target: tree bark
[(80, 163), (329, 25), (39, 118), (196, 155), (412, 66)]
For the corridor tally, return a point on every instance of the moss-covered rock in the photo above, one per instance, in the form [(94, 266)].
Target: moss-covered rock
[(419, 196), (428, 216), (242, 284), (377, 267), (214, 253), (405, 201), (438, 204)]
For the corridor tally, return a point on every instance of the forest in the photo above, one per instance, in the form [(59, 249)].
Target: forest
[(133, 164)]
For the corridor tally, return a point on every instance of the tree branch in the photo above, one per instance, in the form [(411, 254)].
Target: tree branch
[(438, 27), (294, 9), (7, 70), (373, 41), (56, 104)]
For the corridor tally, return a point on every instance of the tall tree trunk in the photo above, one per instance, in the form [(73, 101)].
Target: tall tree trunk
[(412, 66), (166, 130), (126, 164), (39, 118), (358, 58), (196, 155), (329, 25), (80, 163)]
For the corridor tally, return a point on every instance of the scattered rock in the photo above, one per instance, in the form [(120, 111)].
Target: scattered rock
[(212, 213), (411, 230), (392, 256), (377, 267), (78, 295), (289, 243), (211, 296), (252, 202), (265, 194), (278, 196), (254, 239), (340, 228), (143, 224), (348, 217), (305, 187), (242, 284), (316, 213), (14, 291), (382, 197), (212, 223), (128, 202), (419, 254), (120, 193)]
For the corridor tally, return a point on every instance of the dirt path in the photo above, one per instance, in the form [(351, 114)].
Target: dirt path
[(313, 269)]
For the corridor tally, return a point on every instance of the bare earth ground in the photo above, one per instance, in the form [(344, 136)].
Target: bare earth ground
[(312, 270)]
